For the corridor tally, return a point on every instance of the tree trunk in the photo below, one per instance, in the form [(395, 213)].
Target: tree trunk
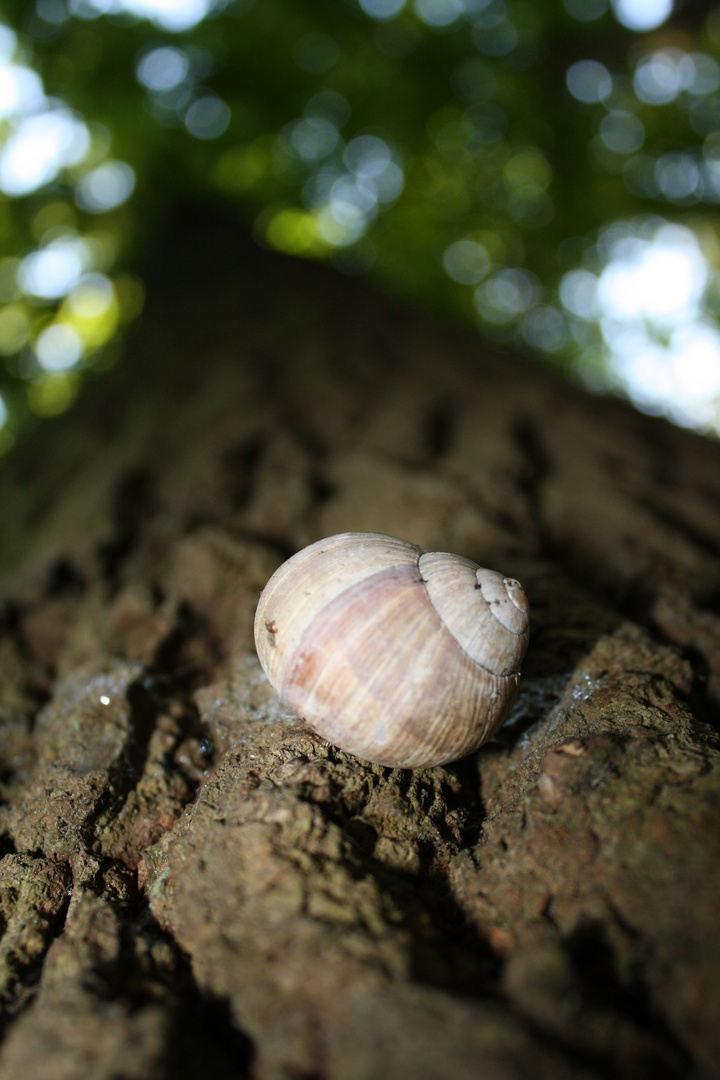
[(193, 882)]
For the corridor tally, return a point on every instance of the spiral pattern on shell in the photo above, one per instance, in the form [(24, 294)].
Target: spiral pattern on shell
[(403, 657)]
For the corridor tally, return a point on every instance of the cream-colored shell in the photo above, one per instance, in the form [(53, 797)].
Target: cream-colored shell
[(403, 657)]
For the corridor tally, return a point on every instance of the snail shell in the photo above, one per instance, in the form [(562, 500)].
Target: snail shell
[(403, 657)]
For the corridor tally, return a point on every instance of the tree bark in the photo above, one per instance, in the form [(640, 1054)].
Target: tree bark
[(194, 883)]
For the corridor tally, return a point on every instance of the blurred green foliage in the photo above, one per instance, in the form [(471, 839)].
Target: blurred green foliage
[(471, 154)]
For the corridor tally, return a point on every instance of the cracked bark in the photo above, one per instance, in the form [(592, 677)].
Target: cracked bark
[(191, 879)]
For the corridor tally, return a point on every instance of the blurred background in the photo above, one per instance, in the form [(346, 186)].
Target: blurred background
[(545, 170)]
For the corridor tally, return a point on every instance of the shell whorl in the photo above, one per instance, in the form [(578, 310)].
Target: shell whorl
[(486, 613)]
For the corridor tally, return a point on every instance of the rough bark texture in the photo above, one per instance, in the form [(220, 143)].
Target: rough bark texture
[(193, 883)]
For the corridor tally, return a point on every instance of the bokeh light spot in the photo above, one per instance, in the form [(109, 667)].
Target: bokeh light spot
[(622, 131), (208, 117), (586, 10), (704, 115), (342, 221), (528, 172), (92, 309), (506, 295), (658, 78), (705, 74), (545, 328), (466, 261), (639, 176), (439, 12), (678, 177), (578, 290), (39, 147), (314, 138), (92, 297), (294, 232), (52, 394), (109, 185), (589, 81), (642, 14), (681, 380), (14, 329), (661, 279), (53, 270), (173, 15), (382, 9), (21, 90), (163, 68), (58, 347), (660, 347), (8, 43), (52, 11)]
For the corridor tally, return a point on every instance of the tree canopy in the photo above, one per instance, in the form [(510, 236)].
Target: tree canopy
[(550, 171)]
